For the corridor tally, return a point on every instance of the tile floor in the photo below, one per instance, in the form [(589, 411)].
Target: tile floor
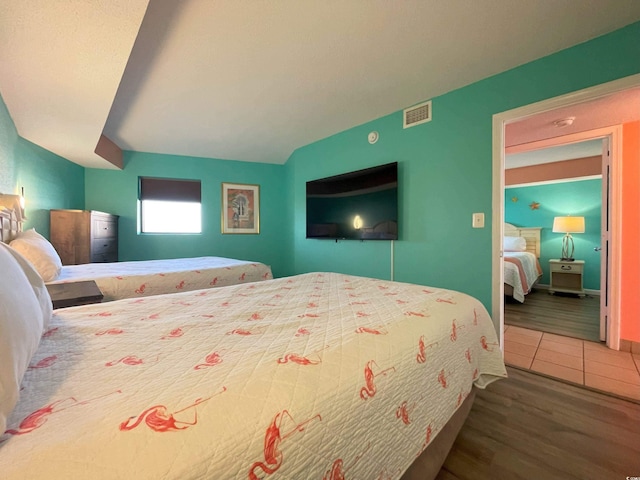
[(574, 360)]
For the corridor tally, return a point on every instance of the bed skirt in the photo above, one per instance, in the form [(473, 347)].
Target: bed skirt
[(429, 463)]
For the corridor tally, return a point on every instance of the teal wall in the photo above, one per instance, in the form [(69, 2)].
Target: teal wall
[(445, 170), (8, 143), (580, 198), (116, 192), (49, 180)]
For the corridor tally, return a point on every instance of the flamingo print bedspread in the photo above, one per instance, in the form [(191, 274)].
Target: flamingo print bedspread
[(321, 376), (153, 277)]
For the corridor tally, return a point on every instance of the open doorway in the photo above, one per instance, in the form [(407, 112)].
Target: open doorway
[(543, 185), (581, 362), (555, 106)]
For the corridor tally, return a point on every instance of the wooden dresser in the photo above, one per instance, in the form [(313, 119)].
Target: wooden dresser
[(81, 236)]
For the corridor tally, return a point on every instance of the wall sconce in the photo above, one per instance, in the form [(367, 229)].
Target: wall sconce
[(357, 222), (23, 203), (568, 225)]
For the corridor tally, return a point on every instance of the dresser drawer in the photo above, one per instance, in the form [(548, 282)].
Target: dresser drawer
[(100, 246), (104, 228), (106, 257)]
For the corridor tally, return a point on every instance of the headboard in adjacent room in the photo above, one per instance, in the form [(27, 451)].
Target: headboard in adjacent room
[(530, 234)]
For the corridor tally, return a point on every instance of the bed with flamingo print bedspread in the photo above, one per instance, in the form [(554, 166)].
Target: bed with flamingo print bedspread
[(118, 280), (320, 375)]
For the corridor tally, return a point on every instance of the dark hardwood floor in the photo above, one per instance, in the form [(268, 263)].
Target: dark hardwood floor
[(532, 427), (566, 315)]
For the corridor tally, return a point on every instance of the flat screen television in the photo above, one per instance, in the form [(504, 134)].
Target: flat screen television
[(360, 205)]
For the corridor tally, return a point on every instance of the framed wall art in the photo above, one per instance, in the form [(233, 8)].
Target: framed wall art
[(240, 208)]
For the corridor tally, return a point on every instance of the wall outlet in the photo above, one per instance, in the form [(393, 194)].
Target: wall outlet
[(477, 220)]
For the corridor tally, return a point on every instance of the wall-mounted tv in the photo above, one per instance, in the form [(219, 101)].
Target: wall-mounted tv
[(361, 205)]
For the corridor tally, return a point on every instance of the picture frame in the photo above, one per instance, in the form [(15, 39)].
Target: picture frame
[(240, 211)]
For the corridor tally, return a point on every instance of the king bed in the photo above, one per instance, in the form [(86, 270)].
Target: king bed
[(320, 375)]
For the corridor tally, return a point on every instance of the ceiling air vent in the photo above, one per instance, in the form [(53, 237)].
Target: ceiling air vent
[(417, 114)]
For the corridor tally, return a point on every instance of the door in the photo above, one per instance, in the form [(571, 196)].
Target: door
[(605, 239)]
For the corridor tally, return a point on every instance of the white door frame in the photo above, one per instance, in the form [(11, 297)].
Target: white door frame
[(499, 122)]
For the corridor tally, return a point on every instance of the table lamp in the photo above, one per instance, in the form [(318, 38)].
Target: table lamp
[(568, 225)]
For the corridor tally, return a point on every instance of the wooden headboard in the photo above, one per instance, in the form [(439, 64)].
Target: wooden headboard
[(10, 217), (530, 234)]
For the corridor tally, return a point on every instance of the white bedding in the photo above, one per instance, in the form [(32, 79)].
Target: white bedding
[(514, 277), (294, 378), (153, 277)]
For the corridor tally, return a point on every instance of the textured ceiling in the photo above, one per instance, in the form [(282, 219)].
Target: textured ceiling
[(60, 66), (585, 149), (253, 79), (614, 109)]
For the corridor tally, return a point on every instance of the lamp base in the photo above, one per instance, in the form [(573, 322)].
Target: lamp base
[(567, 259), (567, 248)]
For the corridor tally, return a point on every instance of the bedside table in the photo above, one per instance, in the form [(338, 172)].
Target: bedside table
[(566, 276), (74, 293)]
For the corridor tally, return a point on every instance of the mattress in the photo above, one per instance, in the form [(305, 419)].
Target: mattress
[(153, 277), (521, 271), (312, 376)]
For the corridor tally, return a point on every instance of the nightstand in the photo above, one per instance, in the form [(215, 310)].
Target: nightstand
[(566, 277), (74, 293)]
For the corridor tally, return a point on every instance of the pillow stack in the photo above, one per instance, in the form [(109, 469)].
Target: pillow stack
[(25, 311), (37, 249)]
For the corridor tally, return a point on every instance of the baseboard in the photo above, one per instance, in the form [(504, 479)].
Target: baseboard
[(542, 286), (630, 346)]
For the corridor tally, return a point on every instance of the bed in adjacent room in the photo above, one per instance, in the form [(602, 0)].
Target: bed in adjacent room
[(521, 246), (320, 375), (118, 280)]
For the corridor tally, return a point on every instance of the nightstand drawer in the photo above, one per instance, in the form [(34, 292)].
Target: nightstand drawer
[(566, 276), (567, 267)]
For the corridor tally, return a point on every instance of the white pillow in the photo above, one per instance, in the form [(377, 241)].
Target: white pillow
[(22, 321), (515, 244), (37, 284), (37, 249)]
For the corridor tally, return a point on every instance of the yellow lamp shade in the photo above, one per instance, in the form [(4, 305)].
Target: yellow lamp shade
[(568, 224)]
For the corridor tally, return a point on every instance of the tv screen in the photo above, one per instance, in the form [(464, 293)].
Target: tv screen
[(361, 205)]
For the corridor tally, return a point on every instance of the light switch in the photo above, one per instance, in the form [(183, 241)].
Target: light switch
[(478, 220)]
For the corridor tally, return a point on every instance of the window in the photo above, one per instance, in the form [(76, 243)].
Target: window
[(170, 206)]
